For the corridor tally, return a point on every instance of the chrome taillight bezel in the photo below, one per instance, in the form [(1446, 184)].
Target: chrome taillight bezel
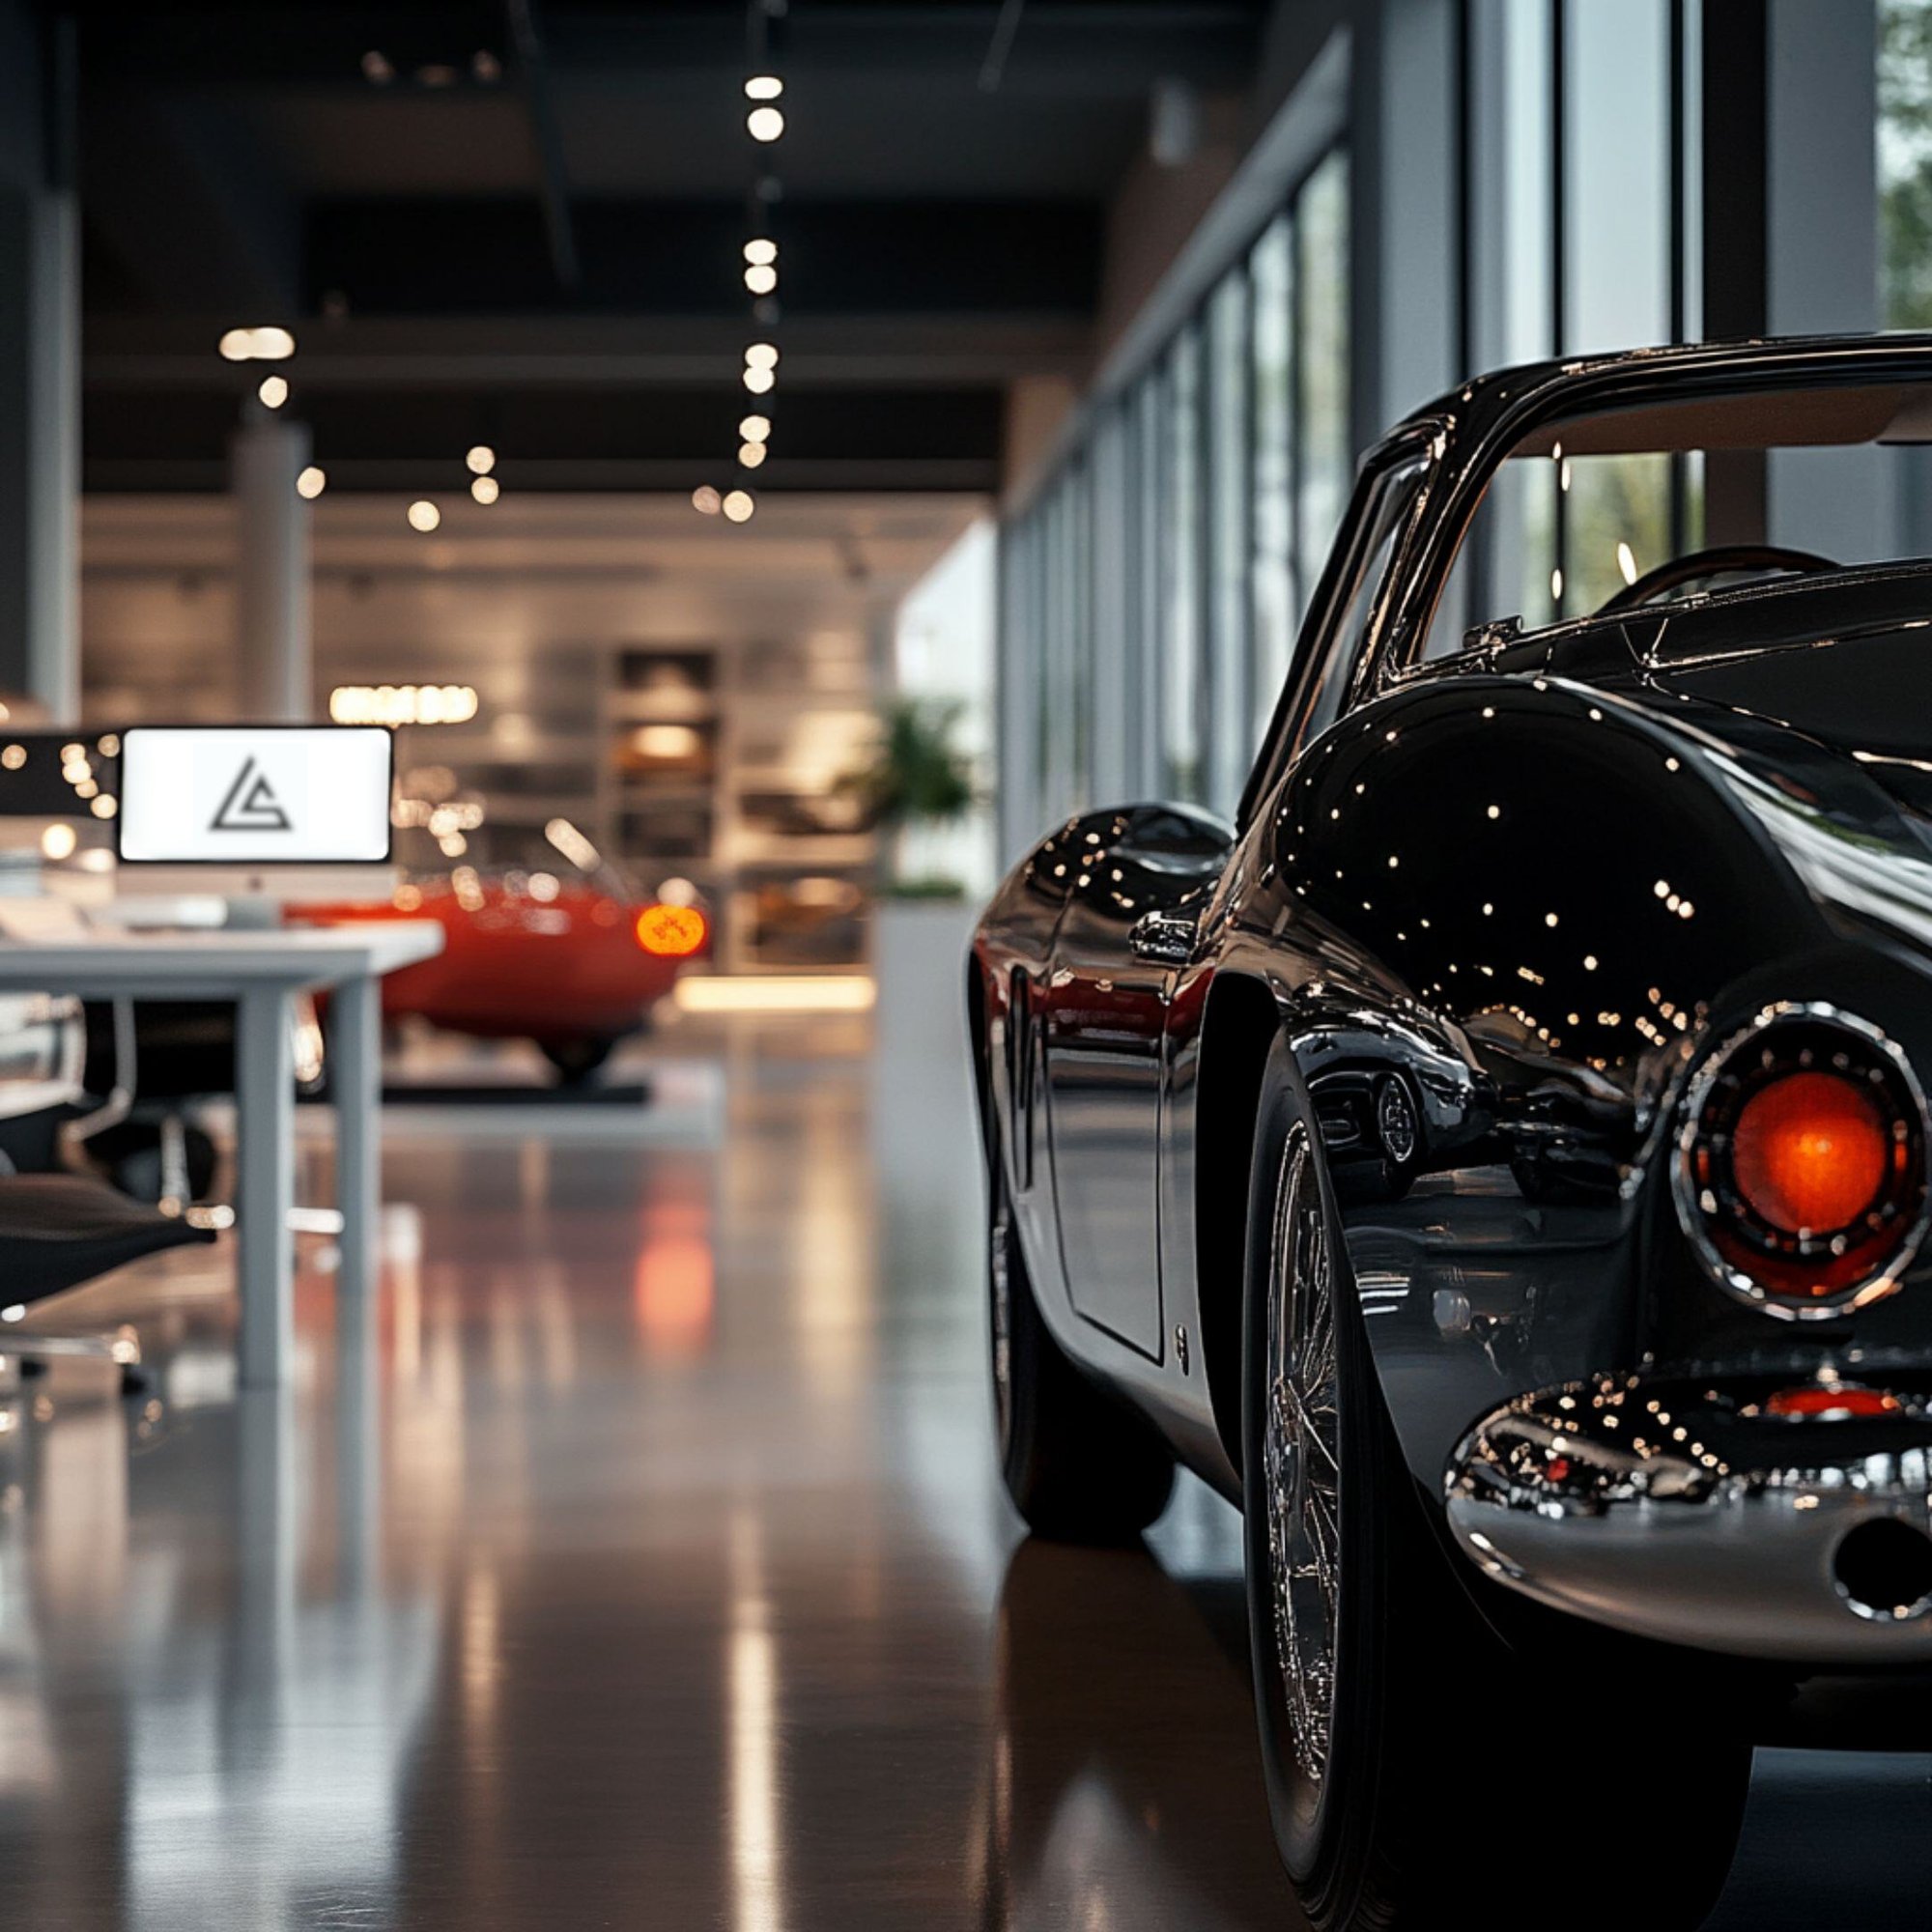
[(1702, 1205)]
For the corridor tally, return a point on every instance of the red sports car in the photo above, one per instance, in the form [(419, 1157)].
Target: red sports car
[(532, 957)]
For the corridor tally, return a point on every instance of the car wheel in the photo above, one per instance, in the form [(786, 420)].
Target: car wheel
[(1388, 1704), (1399, 1133), (1079, 1465), (575, 1060)]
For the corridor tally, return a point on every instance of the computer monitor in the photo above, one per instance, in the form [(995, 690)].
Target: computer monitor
[(254, 796)]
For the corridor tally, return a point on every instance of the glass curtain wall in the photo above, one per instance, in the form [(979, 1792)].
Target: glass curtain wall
[(1582, 149), (1153, 587), (1210, 487), (1905, 164), (1904, 146)]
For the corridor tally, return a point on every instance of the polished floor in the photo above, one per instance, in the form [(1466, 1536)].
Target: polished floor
[(639, 1564)]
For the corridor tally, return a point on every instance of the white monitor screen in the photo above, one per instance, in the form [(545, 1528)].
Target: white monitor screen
[(254, 795)]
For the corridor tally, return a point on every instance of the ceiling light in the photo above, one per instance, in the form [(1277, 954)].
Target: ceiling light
[(759, 381), (424, 516), (486, 489), (755, 429), (738, 507), (750, 454), (275, 391), (761, 355), (704, 499), (764, 124), (481, 460), (256, 345), (312, 482), (761, 281), (763, 87), (761, 253)]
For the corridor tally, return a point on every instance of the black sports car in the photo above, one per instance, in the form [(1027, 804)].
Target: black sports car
[(1497, 1159)]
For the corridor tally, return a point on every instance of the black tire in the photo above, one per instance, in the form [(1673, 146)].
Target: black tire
[(1079, 1465), (577, 1060), (1401, 1785)]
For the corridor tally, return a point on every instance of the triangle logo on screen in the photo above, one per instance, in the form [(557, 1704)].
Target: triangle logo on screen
[(251, 804)]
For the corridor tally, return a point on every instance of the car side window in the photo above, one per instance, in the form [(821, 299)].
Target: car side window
[(1330, 649)]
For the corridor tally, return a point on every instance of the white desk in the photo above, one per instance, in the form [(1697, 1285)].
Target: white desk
[(262, 973)]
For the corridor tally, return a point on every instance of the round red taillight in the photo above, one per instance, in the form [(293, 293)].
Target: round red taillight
[(1800, 1171), (1809, 1151), (670, 931)]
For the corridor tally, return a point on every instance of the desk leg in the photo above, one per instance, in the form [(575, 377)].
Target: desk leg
[(354, 1078), (265, 1098)]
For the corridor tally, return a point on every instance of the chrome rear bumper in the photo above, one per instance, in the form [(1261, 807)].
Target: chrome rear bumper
[(1692, 1513)]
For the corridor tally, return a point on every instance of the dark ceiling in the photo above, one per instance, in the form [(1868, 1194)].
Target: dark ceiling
[(520, 224)]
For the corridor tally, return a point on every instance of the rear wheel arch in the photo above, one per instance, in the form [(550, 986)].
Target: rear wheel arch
[(982, 1067), (1238, 1029)]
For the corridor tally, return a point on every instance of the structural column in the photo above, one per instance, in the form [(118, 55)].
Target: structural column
[(1821, 267), (272, 570), (1790, 248), (1404, 164), (39, 367)]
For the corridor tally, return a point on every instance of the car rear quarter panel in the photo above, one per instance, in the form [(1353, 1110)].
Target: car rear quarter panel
[(1523, 903)]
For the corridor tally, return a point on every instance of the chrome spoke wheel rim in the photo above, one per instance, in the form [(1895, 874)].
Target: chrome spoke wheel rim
[(1301, 1454)]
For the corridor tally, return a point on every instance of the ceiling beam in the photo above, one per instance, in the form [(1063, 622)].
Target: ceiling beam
[(477, 256), (485, 354), (209, 476), (585, 437), (1074, 43)]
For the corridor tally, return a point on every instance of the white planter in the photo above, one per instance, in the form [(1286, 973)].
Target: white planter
[(923, 1116)]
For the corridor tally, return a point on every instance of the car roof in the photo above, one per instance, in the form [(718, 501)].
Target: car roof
[(1673, 373)]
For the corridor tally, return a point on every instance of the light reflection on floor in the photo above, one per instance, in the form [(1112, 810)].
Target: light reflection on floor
[(639, 1564)]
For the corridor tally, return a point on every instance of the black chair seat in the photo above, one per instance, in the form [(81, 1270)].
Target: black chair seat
[(182, 1048), (60, 1230)]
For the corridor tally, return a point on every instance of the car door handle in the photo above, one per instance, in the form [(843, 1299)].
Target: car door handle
[(1166, 937)]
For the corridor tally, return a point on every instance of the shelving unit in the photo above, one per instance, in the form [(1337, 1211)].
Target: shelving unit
[(722, 764)]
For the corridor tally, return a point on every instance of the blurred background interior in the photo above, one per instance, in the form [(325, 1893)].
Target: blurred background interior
[(762, 464)]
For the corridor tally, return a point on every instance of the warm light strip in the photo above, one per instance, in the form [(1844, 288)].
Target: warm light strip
[(777, 993), (402, 703)]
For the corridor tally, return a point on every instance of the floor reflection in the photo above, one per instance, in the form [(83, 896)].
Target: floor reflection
[(637, 1559), (1124, 1789)]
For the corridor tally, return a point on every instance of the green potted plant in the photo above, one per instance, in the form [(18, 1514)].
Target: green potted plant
[(918, 782)]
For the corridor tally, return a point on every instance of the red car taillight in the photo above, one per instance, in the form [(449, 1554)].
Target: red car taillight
[(1800, 1174), (670, 931), (1811, 1152)]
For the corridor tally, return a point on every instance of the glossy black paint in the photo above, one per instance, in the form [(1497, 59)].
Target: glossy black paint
[(1500, 906)]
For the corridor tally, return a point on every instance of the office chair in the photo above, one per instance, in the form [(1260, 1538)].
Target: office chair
[(60, 1230), (155, 1062), (57, 1228)]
